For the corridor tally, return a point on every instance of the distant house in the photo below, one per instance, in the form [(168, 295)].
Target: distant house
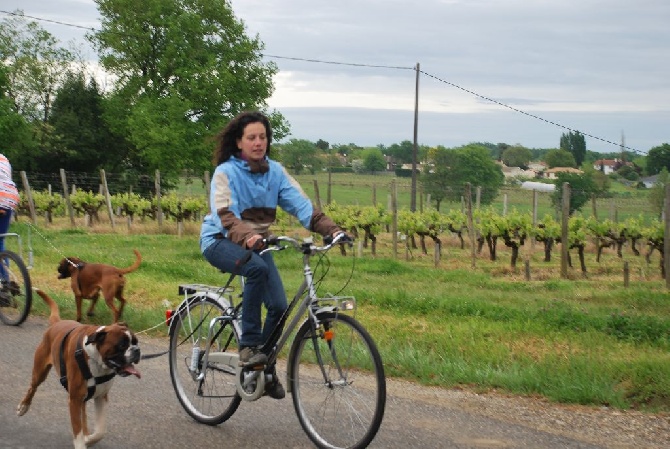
[(538, 166), (516, 172), (550, 173), (649, 181), (608, 166)]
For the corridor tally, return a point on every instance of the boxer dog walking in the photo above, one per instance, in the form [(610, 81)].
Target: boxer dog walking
[(87, 359), (89, 280)]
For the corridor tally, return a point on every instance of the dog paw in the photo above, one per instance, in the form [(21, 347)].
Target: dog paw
[(90, 440), (22, 409)]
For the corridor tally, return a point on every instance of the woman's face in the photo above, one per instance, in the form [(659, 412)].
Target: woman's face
[(254, 142)]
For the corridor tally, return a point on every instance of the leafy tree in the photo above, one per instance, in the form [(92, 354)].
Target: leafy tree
[(495, 149), (559, 158), (36, 65), (184, 68), (629, 173), (434, 179), (345, 149), (300, 154), (322, 145), (516, 156), (471, 163), (657, 192), (658, 158), (14, 130), (402, 152), (582, 189), (601, 180), (84, 141), (373, 160), (575, 144)]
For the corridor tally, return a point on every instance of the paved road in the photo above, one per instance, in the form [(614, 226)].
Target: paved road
[(144, 413)]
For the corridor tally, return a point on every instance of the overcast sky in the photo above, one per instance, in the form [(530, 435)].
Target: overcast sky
[(601, 67)]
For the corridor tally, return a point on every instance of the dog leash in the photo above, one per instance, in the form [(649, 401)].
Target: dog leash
[(157, 354), (30, 226), (142, 357)]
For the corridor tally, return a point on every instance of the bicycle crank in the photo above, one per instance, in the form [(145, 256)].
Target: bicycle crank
[(250, 383)]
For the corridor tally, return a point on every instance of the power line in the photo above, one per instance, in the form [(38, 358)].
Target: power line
[(339, 63), (528, 113), (9, 13), (319, 61)]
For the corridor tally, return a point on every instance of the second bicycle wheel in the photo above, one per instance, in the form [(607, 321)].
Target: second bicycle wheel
[(214, 399), (337, 382), (16, 294)]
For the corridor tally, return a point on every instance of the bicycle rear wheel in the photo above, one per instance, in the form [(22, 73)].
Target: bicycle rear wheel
[(337, 381), (214, 399), (16, 294)]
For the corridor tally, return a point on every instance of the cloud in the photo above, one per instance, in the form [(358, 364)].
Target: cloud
[(592, 65)]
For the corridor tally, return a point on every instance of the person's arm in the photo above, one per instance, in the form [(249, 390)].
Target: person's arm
[(294, 201), (224, 205)]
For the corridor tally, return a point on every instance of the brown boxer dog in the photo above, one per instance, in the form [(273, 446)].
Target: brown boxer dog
[(87, 359), (91, 279)]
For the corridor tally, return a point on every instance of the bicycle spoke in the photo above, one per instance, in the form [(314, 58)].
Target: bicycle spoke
[(15, 289), (213, 398), (338, 384)]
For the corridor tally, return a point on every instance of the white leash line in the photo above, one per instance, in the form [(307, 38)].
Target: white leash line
[(162, 323), (51, 244)]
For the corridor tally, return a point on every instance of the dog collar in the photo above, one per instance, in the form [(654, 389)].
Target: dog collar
[(83, 367)]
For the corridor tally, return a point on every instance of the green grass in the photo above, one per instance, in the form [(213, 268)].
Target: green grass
[(583, 340)]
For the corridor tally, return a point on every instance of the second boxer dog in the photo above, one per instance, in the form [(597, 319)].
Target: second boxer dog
[(89, 280), (87, 359)]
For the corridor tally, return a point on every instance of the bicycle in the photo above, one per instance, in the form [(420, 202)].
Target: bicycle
[(16, 294), (334, 371)]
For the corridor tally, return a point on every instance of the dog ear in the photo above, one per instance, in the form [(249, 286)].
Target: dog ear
[(97, 338)]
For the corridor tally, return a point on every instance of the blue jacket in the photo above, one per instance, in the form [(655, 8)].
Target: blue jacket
[(244, 202)]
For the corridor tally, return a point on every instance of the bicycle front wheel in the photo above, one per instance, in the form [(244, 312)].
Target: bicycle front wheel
[(16, 294), (337, 382), (213, 399)]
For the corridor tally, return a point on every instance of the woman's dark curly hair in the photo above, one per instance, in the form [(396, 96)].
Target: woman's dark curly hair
[(227, 138)]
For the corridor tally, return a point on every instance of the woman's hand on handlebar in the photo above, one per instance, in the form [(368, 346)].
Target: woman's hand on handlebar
[(338, 237), (255, 242)]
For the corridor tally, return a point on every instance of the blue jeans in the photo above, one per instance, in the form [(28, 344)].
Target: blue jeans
[(262, 286)]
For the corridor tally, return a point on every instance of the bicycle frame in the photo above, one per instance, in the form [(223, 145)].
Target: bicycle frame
[(308, 305), (20, 245)]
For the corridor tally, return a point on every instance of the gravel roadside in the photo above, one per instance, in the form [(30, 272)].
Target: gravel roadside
[(602, 426)]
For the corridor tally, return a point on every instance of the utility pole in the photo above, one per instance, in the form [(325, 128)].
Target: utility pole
[(415, 148)]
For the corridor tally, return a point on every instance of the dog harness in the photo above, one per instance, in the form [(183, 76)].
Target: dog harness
[(83, 367)]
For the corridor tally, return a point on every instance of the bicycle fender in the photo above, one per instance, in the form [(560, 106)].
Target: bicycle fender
[(326, 309)]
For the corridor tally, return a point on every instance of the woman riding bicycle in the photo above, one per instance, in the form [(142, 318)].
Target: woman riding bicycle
[(246, 189), (9, 201)]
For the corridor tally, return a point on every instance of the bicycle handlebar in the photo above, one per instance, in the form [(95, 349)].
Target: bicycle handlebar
[(306, 246)]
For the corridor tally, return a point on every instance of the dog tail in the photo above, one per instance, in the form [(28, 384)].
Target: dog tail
[(53, 307), (134, 266)]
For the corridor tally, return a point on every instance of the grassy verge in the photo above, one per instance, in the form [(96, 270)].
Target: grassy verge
[(585, 340)]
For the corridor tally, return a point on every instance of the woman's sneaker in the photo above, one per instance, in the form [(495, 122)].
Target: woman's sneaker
[(251, 355), (274, 388)]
